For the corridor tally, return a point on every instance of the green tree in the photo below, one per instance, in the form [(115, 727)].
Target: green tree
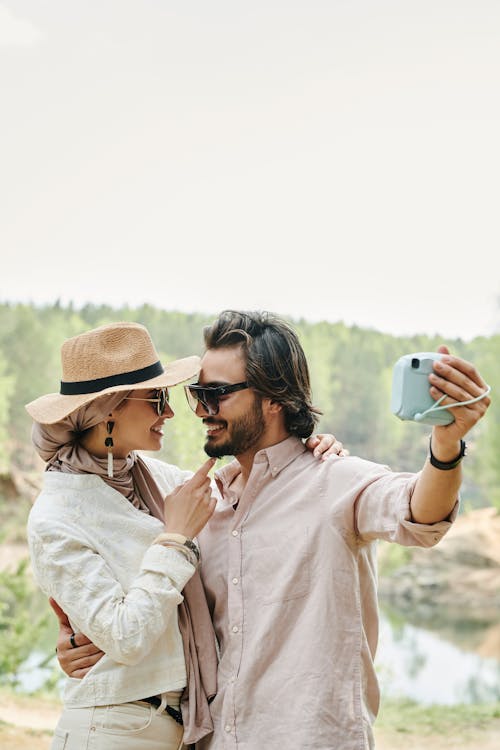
[(484, 442), (6, 391), (20, 622), (351, 374)]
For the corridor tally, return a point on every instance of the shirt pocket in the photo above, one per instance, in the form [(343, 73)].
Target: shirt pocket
[(282, 567)]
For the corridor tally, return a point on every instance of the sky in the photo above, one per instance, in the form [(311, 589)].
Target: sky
[(330, 160)]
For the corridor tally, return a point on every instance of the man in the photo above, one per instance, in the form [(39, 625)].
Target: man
[(288, 556), (289, 564)]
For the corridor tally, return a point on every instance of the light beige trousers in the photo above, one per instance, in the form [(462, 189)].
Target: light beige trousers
[(124, 726)]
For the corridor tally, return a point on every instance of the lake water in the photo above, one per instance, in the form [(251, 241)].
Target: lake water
[(419, 664), (411, 662)]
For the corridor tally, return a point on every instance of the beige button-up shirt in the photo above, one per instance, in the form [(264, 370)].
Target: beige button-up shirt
[(290, 576)]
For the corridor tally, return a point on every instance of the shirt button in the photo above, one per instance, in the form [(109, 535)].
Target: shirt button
[(235, 628), (227, 728), (235, 580), (234, 533)]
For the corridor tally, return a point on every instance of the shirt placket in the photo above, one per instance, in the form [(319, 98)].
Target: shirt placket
[(235, 601), (235, 635)]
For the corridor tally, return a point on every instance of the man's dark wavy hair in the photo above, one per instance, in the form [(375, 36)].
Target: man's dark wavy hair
[(276, 366)]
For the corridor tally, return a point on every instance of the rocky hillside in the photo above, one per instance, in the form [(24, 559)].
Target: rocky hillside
[(455, 585)]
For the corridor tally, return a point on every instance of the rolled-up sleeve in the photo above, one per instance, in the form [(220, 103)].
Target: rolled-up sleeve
[(381, 502)]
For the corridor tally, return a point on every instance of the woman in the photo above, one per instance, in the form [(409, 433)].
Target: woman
[(115, 550), (115, 553)]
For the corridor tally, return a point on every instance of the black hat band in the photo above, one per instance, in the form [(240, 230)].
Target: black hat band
[(100, 384)]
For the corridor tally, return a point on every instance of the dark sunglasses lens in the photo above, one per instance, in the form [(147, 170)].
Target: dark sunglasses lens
[(211, 402), (162, 396), (202, 396), (192, 397)]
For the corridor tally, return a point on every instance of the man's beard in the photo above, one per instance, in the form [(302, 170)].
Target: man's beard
[(245, 433)]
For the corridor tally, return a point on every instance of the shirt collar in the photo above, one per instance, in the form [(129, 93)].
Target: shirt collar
[(280, 455), (277, 456)]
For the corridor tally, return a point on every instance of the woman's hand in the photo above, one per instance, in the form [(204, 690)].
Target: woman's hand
[(75, 661), (187, 509), (323, 446)]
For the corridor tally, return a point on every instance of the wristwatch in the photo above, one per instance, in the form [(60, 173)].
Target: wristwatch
[(181, 539)]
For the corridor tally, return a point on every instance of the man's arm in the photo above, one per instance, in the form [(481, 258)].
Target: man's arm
[(75, 660), (436, 490)]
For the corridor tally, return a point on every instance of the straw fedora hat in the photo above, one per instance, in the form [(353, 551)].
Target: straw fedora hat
[(114, 357)]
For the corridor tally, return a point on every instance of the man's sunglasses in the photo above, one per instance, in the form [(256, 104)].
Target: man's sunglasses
[(208, 396), (161, 400)]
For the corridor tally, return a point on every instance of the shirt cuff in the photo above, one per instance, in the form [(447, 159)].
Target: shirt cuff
[(428, 534), (168, 561)]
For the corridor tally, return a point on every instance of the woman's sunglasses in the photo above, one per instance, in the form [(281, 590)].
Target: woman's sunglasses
[(161, 400), (208, 396)]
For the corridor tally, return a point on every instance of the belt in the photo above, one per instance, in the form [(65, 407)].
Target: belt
[(154, 700)]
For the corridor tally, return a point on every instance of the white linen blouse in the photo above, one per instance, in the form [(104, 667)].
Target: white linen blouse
[(92, 551)]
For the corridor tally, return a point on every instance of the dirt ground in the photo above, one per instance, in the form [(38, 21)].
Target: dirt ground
[(27, 723)]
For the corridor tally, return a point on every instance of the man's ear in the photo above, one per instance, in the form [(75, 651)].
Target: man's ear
[(274, 407)]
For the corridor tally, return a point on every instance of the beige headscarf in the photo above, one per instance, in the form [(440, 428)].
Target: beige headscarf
[(59, 446)]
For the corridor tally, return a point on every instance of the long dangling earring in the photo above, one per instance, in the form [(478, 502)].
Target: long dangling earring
[(109, 445)]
